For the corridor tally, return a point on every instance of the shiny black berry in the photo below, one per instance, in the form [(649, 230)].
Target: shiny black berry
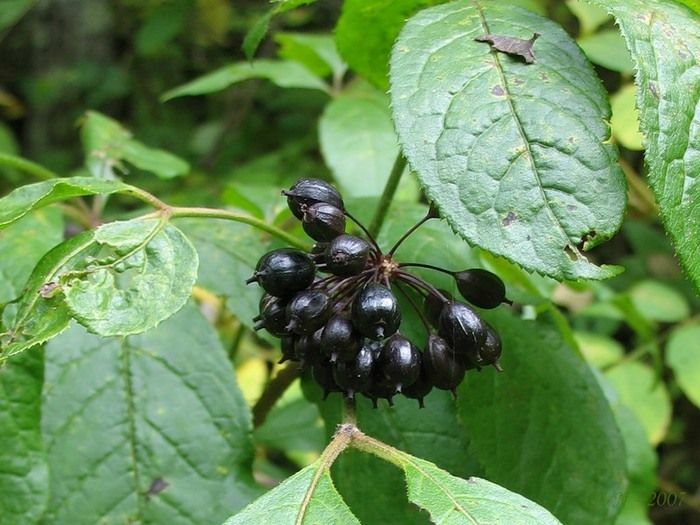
[(375, 312), (287, 344), (307, 192), (347, 255), (443, 368), (284, 272), (356, 375), (380, 388), (481, 287), (399, 362), (308, 311), (421, 387), (340, 341), (273, 315), (307, 348), (323, 222), (322, 372), (432, 306), (462, 328), (490, 351)]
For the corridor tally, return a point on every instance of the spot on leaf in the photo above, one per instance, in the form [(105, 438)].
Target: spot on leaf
[(509, 219), (497, 91), (511, 45), (157, 485)]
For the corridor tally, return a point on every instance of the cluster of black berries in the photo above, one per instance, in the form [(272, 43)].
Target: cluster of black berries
[(345, 325)]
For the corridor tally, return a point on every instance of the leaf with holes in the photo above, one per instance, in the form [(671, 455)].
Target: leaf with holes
[(664, 40), (516, 156), (145, 273), (107, 143), (24, 477), (306, 498), (162, 429), (33, 196)]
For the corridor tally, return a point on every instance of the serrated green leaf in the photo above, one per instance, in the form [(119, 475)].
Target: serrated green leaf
[(145, 274), (24, 476), (531, 424), (683, 356), (363, 43), (149, 429), (657, 301), (228, 254), (107, 143), (644, 395), (287, 504), (41, 313), (664, 40), (283, 73), (21, 201), (358, 141), (317, 52), (607, 48), (516, 156), (454, 501), (625, 119)]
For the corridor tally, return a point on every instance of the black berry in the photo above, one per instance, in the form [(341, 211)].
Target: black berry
[(273, 315), (399, 362), (323, 222), (307, 192), (481, 287), (375, 312), (462, 328), (443, 368), (356, 375), (339, 341), (347, 255), (308, 311), (284, 272), (432, 305), (490, 351)]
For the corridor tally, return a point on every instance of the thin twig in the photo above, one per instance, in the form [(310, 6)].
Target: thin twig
[(388, 195)]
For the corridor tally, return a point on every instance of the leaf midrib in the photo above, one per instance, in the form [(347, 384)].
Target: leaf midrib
[(523, 136)]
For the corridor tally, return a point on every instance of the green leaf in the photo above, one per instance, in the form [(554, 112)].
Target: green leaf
[(228, 253), (12, 11), (363, 43), (41, 313), (589, 17), (306, 498), (145, 274), (692, 4), (646, 396), (599, 350), (106, 144), (317, 52), (625, 119), (683, 356), (33, 196), (641, 459), (24, 476), (286, 74), (664, 40), (531, 424), (255, 35), (454, 501), (160, 425), (516, 156), (435, 434), (358, 141), (657, 301), (607, 48), (22, 245)]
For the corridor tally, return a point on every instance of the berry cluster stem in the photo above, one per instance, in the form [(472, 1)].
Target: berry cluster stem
[(387, 195)]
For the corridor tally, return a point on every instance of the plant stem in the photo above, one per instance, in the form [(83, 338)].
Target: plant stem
[(349, 414), (388, 195), (273, 392), (213, 213), (409, 232), (26, 166), (423, 265)]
